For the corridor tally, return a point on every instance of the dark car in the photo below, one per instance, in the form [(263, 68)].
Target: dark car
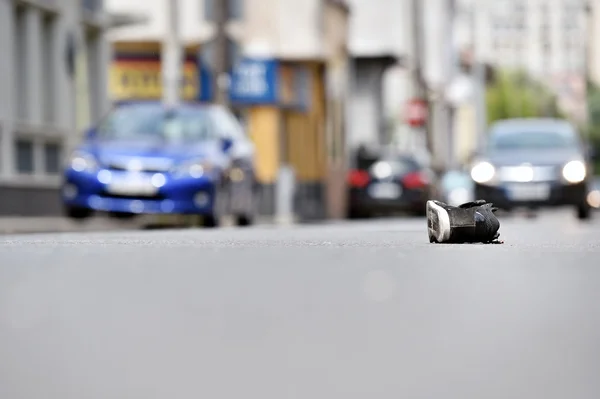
[(533, 163), (143, 158), (383, 184)]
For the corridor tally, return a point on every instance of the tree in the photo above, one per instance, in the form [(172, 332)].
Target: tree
[(514, 94)]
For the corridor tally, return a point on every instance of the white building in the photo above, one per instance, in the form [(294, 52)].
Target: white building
[(52, 84), (545, 37)]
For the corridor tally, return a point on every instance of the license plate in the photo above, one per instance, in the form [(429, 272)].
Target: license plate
[(385, 191), (529, 192), (132, 185)]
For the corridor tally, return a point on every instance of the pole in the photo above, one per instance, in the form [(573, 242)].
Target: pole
[(478, 71), (418, 75), (222, 60), (589, 58), (171, 56), (453, 69)]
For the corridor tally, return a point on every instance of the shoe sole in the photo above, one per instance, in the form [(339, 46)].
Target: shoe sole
[(438, 223)]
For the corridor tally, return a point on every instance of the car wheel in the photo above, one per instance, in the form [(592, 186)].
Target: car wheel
[(123, 215), (248, 217), (356, 214), (244, 220), (584, 212), (77, 213), (213, 219), (210, 221)]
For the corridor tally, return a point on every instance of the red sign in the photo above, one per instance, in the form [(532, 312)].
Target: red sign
[(416, 113)]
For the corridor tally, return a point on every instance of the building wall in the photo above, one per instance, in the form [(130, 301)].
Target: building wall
[(594, 42), (44, 99), (193, 26), (292, 29), (378, 27), (546, 37)]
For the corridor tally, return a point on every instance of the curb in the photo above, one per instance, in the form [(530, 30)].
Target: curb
[(49, 225)]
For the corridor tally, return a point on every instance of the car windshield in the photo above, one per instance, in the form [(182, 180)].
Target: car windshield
[(532, 140), (184, 124)]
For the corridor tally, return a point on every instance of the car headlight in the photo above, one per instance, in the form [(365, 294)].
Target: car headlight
[(194, 168), (82, 162), (574, 172), (483, 172)]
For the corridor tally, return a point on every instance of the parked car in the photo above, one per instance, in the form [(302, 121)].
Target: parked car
[(534, 163), (144, 158), (383, 184)]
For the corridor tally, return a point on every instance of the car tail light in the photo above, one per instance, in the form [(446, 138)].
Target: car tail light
[(358, 178), (415, 180)]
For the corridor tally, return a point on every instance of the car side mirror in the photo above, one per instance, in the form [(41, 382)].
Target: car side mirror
[(226, 144), (90, 134)]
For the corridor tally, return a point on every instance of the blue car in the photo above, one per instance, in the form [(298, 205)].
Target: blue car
[(145, 158)]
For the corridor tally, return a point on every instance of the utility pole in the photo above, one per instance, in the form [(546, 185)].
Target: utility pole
[(421, 91), (589, 57), (478, 71), (171, 59), (222, 61)]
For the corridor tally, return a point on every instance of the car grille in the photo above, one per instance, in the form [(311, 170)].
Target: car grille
[(116, 167), (146, 165), (540, 173), (156, 197)]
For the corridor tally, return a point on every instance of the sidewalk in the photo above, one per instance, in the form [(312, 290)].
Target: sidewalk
[(42, 224)]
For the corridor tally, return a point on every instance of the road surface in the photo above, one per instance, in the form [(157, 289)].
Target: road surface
[(339, 311)]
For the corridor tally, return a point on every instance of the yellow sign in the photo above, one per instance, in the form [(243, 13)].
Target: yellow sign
[(142, 80)]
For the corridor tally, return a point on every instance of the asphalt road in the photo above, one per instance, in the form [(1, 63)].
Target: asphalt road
[(350, 310)]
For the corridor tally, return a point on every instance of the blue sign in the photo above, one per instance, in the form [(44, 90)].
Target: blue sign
[(205, 77), (255, 81)]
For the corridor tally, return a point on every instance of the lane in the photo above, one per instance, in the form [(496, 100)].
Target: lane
[(347, 310)]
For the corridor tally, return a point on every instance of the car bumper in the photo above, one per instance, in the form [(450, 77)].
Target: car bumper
[(176, 196), (409, 201), (558, 194)]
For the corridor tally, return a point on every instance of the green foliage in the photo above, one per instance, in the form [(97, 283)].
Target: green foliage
[(516, 95), (593, 129), (593, 98)]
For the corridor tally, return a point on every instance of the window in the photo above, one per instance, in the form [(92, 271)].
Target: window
[(90, 5), (209, 10), (20, 63), (52, 156), (24, 151), (50, 52), (236, 9), (520, 140), (151, 123)]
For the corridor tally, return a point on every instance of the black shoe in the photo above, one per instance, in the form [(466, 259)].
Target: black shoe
[(473, 222)]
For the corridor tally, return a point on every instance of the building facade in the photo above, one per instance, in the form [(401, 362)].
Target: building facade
[(544, 37), (379, 40), (52, 85)]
